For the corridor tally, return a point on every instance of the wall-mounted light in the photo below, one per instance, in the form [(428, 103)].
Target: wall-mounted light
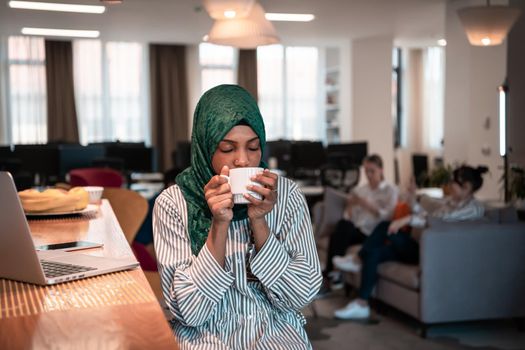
[(290, 17), (60, 7), (502, 89), (61, 32), (487, 25)]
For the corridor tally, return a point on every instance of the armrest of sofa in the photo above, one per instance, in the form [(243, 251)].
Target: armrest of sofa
[(472, 270)]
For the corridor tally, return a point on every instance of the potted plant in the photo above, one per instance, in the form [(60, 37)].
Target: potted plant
[(440, 176)]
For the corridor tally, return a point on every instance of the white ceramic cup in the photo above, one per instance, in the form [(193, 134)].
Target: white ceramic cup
[(239, 179)]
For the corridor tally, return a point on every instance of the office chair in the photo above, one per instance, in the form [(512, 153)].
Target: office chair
[(104, 177), (131, 209)]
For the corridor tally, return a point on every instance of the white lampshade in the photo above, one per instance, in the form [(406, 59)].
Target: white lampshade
[(224, 9), (487, 25), (245, 33)]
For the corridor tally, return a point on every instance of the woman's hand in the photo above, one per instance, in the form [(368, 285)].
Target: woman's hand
[(219, 197), (257, 208), (398, 224)]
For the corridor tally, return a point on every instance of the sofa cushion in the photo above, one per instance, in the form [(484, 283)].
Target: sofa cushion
[(404, 274), (500, 213)]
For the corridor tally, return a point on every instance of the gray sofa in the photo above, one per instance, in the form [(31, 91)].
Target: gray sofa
[(468, 270)]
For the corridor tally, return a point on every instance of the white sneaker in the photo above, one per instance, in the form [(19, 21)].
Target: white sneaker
[(353, 311), (346, 263)]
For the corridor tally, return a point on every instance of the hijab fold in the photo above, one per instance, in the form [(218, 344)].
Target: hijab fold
[(218, 111)]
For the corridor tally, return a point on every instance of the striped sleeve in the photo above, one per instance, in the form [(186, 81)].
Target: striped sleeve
[(288, 266), (192, 285), (473, 210)]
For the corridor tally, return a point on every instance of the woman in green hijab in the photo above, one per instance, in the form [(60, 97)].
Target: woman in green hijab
[(234, 276)]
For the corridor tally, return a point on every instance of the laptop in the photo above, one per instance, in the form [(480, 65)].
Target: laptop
[(19, 260)]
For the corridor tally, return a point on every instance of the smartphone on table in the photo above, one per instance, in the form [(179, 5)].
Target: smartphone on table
[(69, 246)]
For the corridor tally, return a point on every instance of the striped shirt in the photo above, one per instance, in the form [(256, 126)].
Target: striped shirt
[(220, 308), (447, 210)]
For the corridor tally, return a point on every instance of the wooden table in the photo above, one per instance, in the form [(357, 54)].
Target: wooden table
[(113, 311)]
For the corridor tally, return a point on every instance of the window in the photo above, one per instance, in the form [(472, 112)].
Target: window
[(27, 105), (433, 97), (111, 91), (217, 65), (289, 92)]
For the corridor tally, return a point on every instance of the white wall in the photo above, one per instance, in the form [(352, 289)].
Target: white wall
[(346, 92), (371, 96), (473, 75)]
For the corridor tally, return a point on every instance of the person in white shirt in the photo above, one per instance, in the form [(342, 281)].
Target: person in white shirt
[(366, 206), (391, 241)]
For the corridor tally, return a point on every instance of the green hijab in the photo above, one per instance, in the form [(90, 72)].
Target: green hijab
[(218, 111)]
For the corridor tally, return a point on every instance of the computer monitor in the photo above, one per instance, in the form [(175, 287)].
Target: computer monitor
[(280, 150), (306, 158), (347, 154), (5, 152), (8, 161), (77, 156), (136, 157), (43, 160)]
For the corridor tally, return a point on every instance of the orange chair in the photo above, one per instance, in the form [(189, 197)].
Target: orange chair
[(104, 177), (131, 209)]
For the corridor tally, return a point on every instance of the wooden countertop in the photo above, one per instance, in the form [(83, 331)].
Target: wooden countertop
[(112, 311)]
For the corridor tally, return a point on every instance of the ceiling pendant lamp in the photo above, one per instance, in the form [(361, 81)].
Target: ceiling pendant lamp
[(245, 33), (224, 9), (487, 25)]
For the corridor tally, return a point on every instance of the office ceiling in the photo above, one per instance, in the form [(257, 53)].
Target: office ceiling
[(411, 22)]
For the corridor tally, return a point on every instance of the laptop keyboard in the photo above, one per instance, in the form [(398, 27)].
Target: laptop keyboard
[(55, 269)]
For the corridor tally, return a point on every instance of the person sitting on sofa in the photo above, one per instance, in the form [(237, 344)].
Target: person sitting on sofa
[(391, 241), (366, 206)]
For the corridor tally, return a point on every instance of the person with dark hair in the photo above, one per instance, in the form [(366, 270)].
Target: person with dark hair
[(366, 206), (390, 241), (234, 276)]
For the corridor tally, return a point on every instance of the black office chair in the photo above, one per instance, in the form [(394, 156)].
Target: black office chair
[(340, 177)]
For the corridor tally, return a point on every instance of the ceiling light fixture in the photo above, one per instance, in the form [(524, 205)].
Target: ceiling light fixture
[(290, 17), (51, 6), (487, 25), (245, 33), (61, 32), (111, 2), (223, 9), (442, 42)]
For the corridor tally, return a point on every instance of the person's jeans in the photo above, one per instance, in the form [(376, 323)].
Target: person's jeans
[(380, 247), (344, 235)]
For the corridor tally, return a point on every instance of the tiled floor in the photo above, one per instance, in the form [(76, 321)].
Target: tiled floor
[(394, 330)]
